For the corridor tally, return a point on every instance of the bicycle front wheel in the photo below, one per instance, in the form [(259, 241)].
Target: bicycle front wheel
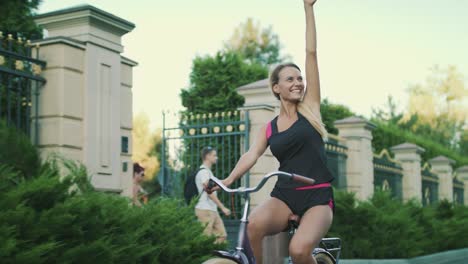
[(323, 258)]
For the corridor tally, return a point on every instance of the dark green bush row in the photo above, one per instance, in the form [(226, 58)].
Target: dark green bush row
[(17, 151), (53, 219), (51, 214), (383, 227)]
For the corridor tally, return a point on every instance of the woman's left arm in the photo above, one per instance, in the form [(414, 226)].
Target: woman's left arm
[(312, 94)]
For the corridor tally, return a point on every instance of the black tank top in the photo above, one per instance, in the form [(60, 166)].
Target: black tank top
[(299, 149)]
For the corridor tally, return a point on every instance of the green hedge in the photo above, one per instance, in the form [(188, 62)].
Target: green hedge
[(387, 135), (56, 219), (385, 228), (17, 151), (51, 214)]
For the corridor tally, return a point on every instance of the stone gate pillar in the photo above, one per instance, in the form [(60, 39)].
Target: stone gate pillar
[(410, 157), (357, 134), (442, 166), (86, 105)]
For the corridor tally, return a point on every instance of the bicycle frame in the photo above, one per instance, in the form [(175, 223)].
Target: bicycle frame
[(243, 253)]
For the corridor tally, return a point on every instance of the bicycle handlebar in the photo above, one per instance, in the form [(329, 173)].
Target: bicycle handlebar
[(282, 174)]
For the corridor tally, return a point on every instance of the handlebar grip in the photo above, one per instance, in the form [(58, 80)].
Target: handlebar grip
[(302, 179), (211, 184)]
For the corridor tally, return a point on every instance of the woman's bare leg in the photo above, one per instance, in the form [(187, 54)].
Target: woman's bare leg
[(270, 217), (313, 227)]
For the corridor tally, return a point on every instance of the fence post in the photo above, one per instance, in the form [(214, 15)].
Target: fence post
[(442, 166), (357, 134), (410, 157), (462, 173)]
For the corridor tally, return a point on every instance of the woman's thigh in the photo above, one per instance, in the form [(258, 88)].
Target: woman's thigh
[(313, 227), (270, 217)]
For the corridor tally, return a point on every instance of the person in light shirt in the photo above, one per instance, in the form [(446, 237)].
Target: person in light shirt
[(207, 206)]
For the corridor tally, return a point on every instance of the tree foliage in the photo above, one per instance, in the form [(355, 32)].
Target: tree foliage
[(332, 112), (388, 135), (146, 146), (257, 45), (17, 18), (214, 80), (437, 109)]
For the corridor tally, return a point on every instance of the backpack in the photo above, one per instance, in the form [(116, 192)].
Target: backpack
[(190, 186)]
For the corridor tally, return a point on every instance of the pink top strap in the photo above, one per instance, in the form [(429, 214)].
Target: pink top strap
[(268, 131)]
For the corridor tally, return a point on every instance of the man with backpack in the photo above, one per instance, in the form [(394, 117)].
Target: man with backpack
[(207, 206)]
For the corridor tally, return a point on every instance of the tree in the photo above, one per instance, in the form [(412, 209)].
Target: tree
[(464, 142), (214, 80), (213, 84), (145, 146), (332, 112), (388, 113), (257, 45), (17, 18), (438, 108)]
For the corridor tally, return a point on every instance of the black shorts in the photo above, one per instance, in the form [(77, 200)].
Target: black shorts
[(299, 201)]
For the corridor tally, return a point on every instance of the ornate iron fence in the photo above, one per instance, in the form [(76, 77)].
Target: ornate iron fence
[(336, 161), (430, 185), (458, 191), (185, 135), (388, 174), (20, 83)]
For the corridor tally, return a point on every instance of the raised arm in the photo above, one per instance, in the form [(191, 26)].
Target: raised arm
[(312, 95), (249, 159)]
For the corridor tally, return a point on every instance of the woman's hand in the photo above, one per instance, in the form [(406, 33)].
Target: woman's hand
[(209, 190), (310, 2)]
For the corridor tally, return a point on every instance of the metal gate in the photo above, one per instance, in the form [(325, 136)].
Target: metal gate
[(185, 135), (20, 83), (336, 161)]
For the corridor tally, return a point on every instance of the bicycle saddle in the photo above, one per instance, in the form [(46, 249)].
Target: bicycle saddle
[(293, 222)]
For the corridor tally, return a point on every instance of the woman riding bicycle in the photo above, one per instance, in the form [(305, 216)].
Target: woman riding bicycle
[(296, 138)]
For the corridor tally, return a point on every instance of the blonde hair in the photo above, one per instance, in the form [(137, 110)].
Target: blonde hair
[(315, 119)]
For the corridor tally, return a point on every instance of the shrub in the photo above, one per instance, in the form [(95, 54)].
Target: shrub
[(382, 227), (55, 217), (17, 151)]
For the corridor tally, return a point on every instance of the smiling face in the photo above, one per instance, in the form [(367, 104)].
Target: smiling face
[(289, 85)]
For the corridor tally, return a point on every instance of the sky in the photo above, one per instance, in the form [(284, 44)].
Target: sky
[(367, 49)]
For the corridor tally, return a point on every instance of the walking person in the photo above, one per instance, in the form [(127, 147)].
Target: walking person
[(138, 194), (206, 208)]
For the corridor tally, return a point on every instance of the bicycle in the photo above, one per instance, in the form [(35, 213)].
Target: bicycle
[(243, 253)]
